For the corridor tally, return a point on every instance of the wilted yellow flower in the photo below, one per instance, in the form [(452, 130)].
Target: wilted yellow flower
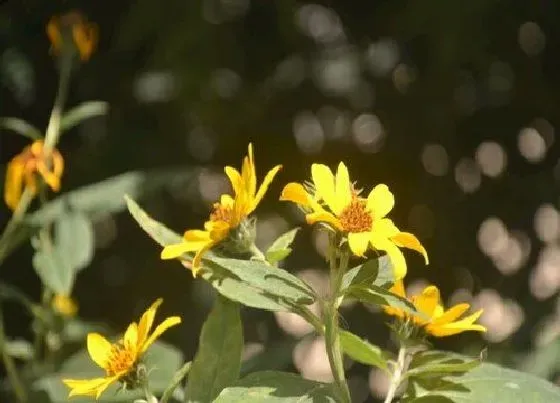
[(227, 214), (436, 321), (72, 29), (24, 167), (120, 360), (64, 305), (362, 220)]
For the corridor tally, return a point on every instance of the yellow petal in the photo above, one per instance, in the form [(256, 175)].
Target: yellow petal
[(408, 240), (99, 348), (380, 201), (235, 179), (427, 301), (162, 327), (324, 185), (358, 242), (450, 315), (131, 337), (50, 178), (343, 193), (264, 185), (464, 325), (147, 321), (197, 260), (176, 250), (227, 201), (398, 289), (248, 173), (323, 216), (13, 184), (88, 387), (385, 228), (296, 193), (394, 253)]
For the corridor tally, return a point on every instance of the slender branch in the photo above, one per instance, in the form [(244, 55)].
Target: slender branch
[(176, 381), (397, 376), (332, 331), (11, 370)]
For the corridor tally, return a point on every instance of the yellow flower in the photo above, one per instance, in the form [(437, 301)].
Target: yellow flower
[(436, 320), (22, 170), (227, 214), (362, 220), (120, 360), (74, 30), (64, 305)]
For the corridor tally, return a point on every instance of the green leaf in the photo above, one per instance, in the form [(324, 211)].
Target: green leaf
[(486, 383), (162, 358), (362, 351), (435, 363), (74, 239), (96, 200), (227, 275), (81, 112), (271, 280), (53, 270), (276, 387), (218, 359), (280, 248), (275, 356), (378, 271), (22, 127), (376, 295)]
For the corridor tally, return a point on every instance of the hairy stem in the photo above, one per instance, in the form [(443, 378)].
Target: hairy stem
[(332, 330), (397, 375)]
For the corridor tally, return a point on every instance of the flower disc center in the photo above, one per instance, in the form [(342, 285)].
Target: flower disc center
[(355, 217)]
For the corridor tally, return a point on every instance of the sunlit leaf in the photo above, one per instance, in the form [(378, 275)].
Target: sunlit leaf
[(280, 248), (81, 112), (277, 387), (74, 239), (377, 271), (22, 127), (362, 351), (218, 359)]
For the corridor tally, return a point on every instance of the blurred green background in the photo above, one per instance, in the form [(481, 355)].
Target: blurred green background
[(453, 104)]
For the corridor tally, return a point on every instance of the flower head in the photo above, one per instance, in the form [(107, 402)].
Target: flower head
[(363, 221), (72, 31), (64, 305), (227, 214), (120, 360), (436, 320), (24, 167)]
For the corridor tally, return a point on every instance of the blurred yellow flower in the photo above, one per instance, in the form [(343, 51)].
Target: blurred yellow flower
[(120, 360), (227, 214), (64, 305), (363, 220), (24, 167), (436, 321), (74, 30)]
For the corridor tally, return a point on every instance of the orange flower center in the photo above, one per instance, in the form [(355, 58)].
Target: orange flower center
[(355, 217), (221, 213), (121, 360)]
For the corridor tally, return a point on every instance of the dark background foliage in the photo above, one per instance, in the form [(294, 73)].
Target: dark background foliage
[(405, 92)]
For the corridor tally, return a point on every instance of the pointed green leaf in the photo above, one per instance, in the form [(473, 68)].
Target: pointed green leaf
[(246, 282), (53, 271), (280, 248), (380, 296), (485, 383), (82, 112), (218, 359), (276, 387), (362, 351), (74, 239), (22, 127), (377, 271)]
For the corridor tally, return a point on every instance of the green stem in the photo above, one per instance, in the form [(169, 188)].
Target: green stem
[(176, 381), (11, 370), (397, 376), (332, 330), (257, 254)]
